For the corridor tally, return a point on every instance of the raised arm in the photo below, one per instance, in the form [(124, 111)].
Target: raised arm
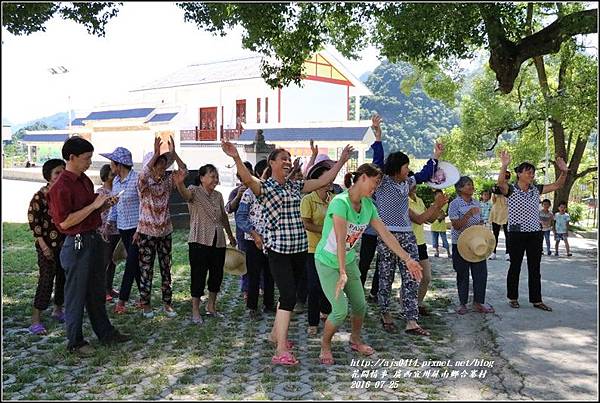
[(180, 164), (504, 161), (329, 176), (430, 167), (562, 165), (377, 146), (249, 180), (178, 178)]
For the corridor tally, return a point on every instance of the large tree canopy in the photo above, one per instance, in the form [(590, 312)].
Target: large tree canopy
[(420, 33)]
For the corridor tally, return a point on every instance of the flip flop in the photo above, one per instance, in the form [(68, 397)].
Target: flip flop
[(542, 306), (418, 331), (38, 329), (514, 304), (462, 310), (364, 349), (326, 360), (286, 359)]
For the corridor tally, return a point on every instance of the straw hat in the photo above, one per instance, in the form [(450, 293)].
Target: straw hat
[(445, 176), (119, 254), (235, 261), (476, 243)]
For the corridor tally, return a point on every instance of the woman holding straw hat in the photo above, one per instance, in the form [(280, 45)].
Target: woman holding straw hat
[(464, 212)]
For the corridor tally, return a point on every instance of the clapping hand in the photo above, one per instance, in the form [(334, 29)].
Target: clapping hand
[(314, 148), (157, 144)]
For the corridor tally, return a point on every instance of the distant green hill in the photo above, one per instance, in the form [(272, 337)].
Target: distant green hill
[(59, 120), (411, 123)]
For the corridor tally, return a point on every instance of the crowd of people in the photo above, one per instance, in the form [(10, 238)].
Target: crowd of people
[(300, 233)]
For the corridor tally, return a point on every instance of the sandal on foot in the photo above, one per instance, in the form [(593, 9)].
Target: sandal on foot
[(389, 327), (484, 308), (364, 349), (418, 331), (38, 329), (286, 358), (514, 304), (60, 317), (542, 306), (326, 360), (461, 310)]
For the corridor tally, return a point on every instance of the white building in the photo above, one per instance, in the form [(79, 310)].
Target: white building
[(199, 104)]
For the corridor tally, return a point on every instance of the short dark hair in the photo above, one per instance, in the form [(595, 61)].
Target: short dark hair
[(260, 167), (49, 166), (546, 201), (462, 182), (562, 203), (104, 172), (524, 166), (438, 191), (248, 166), (394, 162), (205, 170), (76, 146)]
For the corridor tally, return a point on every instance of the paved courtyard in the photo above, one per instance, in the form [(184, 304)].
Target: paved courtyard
[(513, 354)]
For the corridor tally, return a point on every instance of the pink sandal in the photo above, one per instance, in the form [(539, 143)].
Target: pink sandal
[(286, 358), (362, 348)]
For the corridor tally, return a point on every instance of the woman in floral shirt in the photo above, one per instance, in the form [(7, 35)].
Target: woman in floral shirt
[(48, 242)]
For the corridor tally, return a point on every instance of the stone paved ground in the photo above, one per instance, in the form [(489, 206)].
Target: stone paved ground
[(230, 358)]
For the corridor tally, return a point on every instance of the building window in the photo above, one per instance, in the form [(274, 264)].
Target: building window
[(240, 113), (257, 110), (267, 110)]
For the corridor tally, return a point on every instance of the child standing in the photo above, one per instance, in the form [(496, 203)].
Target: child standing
[(48, 241), (547, 219), (438, 228), (561, 228), (486, 207)]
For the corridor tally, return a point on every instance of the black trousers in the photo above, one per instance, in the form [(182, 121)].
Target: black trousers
[(257, 265), (84, 288), (368, 245), (496, 231), (317, 301), (109, 249), (287, 271), (206, 260), (132, 264), (521, 243)]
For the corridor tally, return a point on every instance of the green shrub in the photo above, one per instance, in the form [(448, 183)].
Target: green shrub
[(576, 211)]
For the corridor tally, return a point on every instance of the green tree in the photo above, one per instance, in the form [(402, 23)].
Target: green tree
[(421, 33), (412, 121)]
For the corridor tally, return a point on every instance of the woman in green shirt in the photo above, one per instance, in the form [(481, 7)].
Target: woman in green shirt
[(348, 215)]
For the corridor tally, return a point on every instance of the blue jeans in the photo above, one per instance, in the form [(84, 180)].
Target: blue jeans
[(547, 238), (434, 239)]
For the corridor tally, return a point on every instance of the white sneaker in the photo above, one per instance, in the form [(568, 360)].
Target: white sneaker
[(148, 315), (493, 256), (169, 314), (507, 257)]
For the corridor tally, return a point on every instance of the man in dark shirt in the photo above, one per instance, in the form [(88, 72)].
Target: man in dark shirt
[(75, 209)]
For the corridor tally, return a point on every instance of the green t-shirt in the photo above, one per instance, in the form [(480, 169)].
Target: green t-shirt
[(341, 206)]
